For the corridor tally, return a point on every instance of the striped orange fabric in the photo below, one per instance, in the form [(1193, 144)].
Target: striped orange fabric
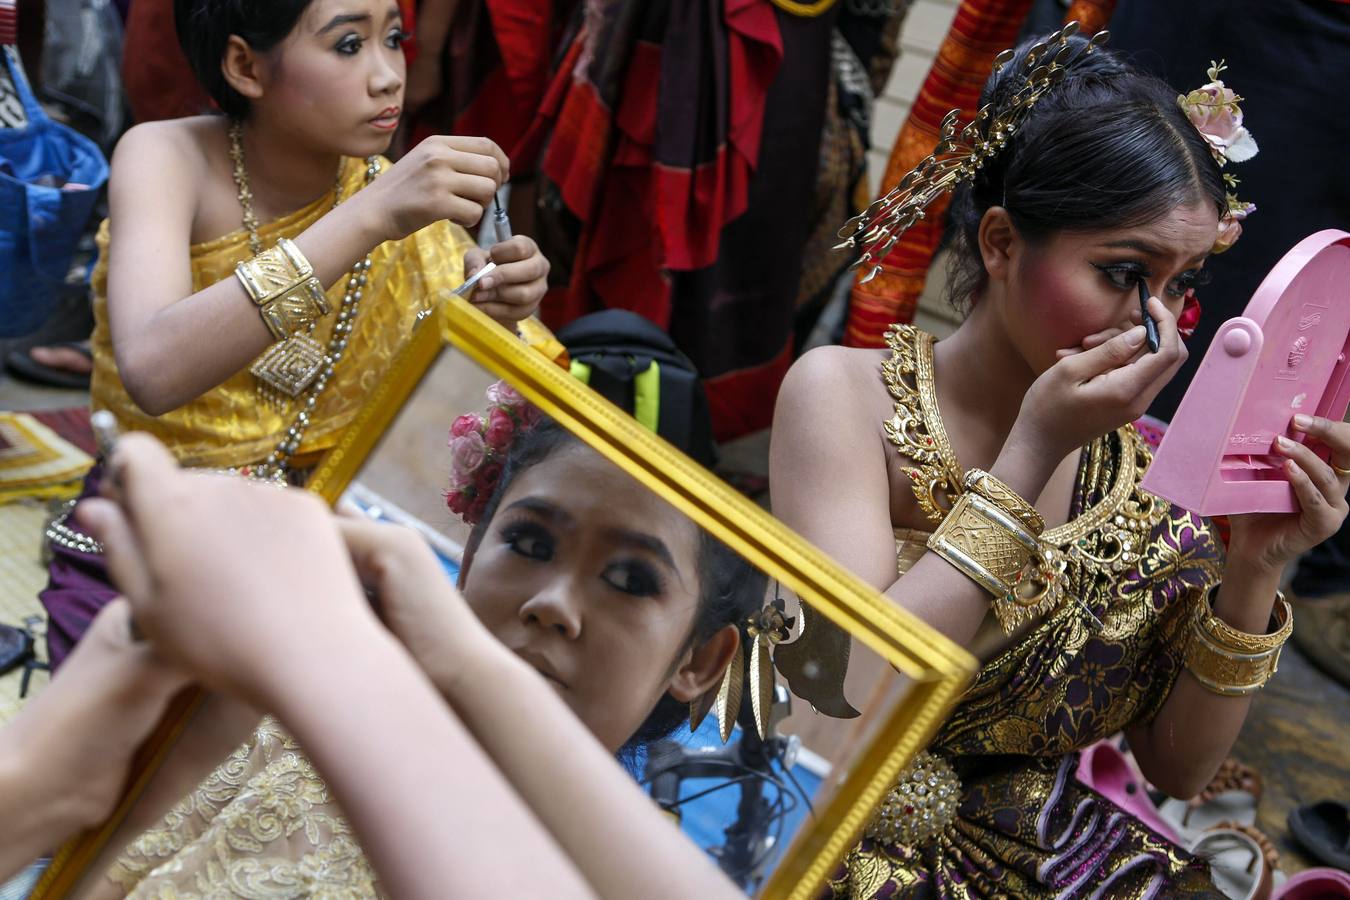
[(980, 31)]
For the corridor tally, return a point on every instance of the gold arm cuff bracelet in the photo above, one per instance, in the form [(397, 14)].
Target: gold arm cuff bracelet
[(1004, 497), (281, 283), (985, 543)]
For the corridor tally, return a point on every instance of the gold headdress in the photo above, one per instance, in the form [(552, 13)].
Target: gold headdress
[(959, 155)]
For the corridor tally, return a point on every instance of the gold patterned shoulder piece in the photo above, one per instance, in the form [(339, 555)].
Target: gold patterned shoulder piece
[(1109, 536), (908, 373), (1122, 520)]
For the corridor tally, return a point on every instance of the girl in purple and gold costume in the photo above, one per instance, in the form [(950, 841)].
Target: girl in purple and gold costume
[(1094, 608)]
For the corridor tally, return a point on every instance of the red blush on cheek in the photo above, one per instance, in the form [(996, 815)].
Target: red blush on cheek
[(1063, 303)]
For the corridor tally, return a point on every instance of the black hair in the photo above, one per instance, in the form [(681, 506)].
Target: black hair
[(1108, 147), (730, 589), (204, 29)]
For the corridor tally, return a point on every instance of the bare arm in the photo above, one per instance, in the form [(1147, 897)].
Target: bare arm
[(611, 830), (1182, 748), (157, 322), (433, 814), (830, 484), (827, 460), (436, 817), (433, 24), (425, 81), (173, 345), (64, 758)]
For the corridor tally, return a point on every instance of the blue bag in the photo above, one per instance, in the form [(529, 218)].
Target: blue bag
[(40, 224)]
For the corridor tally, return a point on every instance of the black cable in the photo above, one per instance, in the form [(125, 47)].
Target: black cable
[(723, 763), (712, 790), (784, 803), (798, 785)]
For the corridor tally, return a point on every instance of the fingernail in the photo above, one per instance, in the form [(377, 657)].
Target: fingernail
[(1283, 442), (1302, 421), (1135, 336), (488, 282)]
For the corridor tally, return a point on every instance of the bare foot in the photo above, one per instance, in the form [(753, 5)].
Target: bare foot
[(66, 359)]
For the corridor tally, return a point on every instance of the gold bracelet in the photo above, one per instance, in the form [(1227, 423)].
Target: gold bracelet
[(1004, 497), (1234, 663), (281, 283), (1228, 637), (985, 543)]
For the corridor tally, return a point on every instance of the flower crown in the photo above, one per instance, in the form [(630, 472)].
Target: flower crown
[(1213, 110), (479, 443)]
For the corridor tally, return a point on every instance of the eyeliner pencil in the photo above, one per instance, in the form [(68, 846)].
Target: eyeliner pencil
[(1150, 326)]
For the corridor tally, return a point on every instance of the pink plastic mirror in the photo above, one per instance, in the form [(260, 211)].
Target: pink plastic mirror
[(1287, 354)]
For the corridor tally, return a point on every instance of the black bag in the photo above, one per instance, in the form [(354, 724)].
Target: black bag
[(634, 364)]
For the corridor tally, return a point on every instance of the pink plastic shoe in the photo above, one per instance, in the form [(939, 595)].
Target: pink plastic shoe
[(1315, 884), (1104, 768)]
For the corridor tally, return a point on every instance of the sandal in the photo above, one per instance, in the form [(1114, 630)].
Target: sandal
[(1108, 771), (1241, 861), (1324, 830), (1230, 798), (16, 645)]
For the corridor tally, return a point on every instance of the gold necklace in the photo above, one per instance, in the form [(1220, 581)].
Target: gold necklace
[(1109, 537), (298, 368)]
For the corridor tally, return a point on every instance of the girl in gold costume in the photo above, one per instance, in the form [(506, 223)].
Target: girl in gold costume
[(260, 269)]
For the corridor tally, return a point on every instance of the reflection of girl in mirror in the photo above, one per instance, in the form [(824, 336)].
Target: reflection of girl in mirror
[(263, 370), (575, 573), (1106, 621)]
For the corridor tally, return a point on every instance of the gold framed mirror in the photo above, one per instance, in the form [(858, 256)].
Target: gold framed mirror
[(898, 722)]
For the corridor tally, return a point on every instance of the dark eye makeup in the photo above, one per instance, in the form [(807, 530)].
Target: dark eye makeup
[(634, 577), (1126, 275), (535, 542), (351, 43), (528, 539)]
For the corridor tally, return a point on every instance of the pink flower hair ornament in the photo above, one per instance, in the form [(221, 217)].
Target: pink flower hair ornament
[(479, 444), (1214, 111)]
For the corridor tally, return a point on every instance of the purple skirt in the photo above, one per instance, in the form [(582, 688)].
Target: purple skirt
[(77, 588)]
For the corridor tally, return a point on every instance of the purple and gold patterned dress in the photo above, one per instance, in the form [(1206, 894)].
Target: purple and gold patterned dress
[(1021, 824)]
